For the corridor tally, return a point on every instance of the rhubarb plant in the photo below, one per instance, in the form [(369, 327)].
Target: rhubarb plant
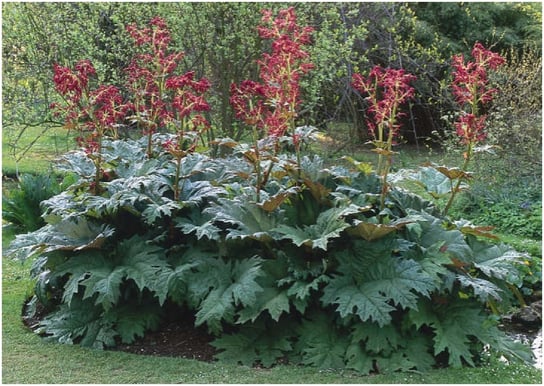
[(301, 258), (326, 265)]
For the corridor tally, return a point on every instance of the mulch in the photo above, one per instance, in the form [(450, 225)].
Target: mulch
[(175, 339)]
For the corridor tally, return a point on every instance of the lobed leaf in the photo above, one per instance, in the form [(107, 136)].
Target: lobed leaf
[(329, 225), (255, 343)]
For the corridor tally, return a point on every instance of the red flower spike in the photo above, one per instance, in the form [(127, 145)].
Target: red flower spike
[(272, 104), (161, 96), (387, 89), (470, 89)]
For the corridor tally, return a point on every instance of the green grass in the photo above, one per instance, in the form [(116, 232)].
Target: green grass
[(27, 358), (52, 143)]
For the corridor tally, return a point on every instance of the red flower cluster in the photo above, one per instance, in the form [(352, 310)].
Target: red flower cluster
[(157, 34), (161, 96), (94, 111), (72, 83), (387, 89), (470, 88), (470, 79), (470, 128), (272, 104)]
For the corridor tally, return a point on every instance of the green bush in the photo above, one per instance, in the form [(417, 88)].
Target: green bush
[(311, 271)]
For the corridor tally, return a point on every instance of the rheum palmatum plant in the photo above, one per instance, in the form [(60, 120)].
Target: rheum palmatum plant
[(305, 274), (95, 112), (162, 98), (387, 89), (472, 93), (270, 107)]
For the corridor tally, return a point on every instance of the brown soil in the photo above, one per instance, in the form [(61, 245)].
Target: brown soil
[(176, 339)]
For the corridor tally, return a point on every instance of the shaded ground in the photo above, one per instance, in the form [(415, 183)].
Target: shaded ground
[(175, 339)]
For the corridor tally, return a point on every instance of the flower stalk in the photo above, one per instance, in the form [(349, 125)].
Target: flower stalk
[(270, 106), (471, 91), (386, 89), (94, 112)]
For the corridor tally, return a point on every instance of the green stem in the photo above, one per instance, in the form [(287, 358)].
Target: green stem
[(176, 180), (97, 164), (383, 168), (460, 179), (385, 187), (257, 163)]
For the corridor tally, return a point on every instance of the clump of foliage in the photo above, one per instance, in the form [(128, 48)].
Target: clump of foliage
[(21, 206), (279, 256), (281, 271)]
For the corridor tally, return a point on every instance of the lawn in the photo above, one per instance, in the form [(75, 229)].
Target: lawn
[(26, 358), (20, 152)]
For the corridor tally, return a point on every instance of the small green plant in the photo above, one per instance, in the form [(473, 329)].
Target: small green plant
[(21, 206)]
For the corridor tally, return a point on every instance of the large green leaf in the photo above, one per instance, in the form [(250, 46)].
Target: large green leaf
[(128, 159), (256, 342), (408, 202), (452, 334), (79, 268), (434, 262), (378, 339), (70, 234), (222, 286), (455, 325), (133, 320), (483, 289), (357, 358), (199, 222), (452, 241), (360, 255), (384, 284), (77, 162), (417, 353), (320, 343), (248, 219), (371, 231), (102, 276), (215, 307), (81, 320), (157, 210), (173, 282), (438, 181), (350, 299), (329, 226), (141, 261), (497, 260), (192, 193), (271, 299)]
